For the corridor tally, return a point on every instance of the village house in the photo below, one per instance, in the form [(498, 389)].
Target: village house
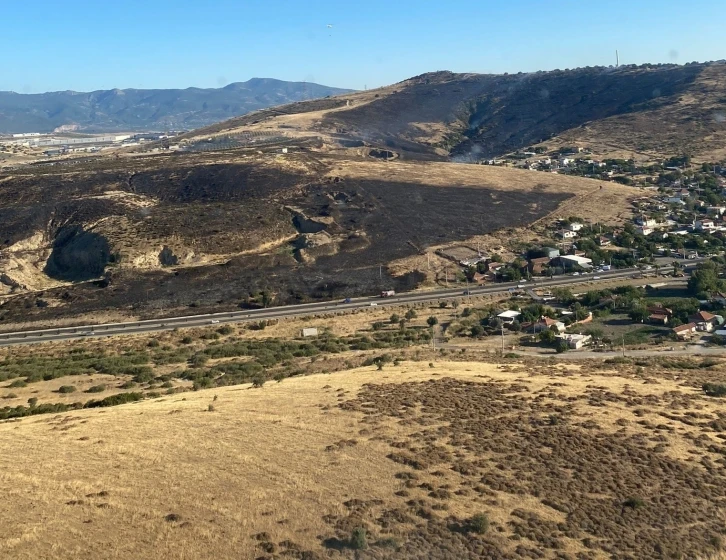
[(566, 234), (546, 323), (538, 265), (684, 332), (576, 341), (704, 225), (705, 321), (574, 226), (603, 241)]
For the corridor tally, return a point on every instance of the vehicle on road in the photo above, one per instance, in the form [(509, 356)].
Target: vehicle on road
[(373, 304), (214, 322), (388, 293), (521, 286), (596, 278), (347, 300), (467, 292)]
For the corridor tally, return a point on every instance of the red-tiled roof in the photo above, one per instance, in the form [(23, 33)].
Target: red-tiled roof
[(704, 316), (685, 328)]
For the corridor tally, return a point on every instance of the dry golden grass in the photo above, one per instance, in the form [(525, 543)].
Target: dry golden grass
[(100, 483)]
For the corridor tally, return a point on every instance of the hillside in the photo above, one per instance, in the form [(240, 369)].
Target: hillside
[(154, 109), (659, 109), (458, 460), (212, 230)]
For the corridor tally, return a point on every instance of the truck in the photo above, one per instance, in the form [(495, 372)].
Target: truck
[(388, 293)]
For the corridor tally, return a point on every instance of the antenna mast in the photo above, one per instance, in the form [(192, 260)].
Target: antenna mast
[(617, 59)]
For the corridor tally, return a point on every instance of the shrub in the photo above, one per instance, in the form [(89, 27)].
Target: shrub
[(67, 389), (210, 408), (153, 343), (186, 340), (18, 383), (358, 539), (443, 304), (258, 381), (479, 524), (377, 326), (96, 389), (225, 330), (32, 401), (114, 400), (388, 542), (714, 389), (394, 319), (633, 503)]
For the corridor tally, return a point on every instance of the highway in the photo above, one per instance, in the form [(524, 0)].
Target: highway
[(307, 309)]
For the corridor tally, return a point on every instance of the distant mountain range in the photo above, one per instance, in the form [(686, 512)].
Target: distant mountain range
[(148, 109)]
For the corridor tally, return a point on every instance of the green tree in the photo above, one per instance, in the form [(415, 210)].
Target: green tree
[(704, 279), (410, 314), (432, 321), (477, 331), (394, 319), (638, 313), (547, 336)]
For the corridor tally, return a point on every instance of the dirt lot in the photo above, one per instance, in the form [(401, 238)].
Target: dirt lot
[(563, 462)]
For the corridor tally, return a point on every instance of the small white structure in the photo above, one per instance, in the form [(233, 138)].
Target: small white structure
[(508, 316), (566, 234), (576, 341), (575, 226), (310, 332)]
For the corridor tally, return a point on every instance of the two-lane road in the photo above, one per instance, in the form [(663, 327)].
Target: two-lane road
[(156, 325)]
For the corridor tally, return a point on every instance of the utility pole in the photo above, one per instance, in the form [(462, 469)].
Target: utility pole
[(502, 338), (623, 345)]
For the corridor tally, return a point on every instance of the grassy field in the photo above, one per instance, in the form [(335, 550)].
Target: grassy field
[(562, 461)]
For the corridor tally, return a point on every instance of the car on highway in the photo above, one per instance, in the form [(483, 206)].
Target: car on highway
[(596, 278), (347, 300), (373, 304), (214, 322), (467, 292)]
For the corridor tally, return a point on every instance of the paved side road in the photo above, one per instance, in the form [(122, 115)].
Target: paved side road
[(157, 325)]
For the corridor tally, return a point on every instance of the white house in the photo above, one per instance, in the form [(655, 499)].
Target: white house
[(576, 341), (643, 230), (717, 210), (705, 225), (575, 226), (566, 234), (644, 221), (674, 200)]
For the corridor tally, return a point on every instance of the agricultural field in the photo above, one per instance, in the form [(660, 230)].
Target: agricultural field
[(417, 459)]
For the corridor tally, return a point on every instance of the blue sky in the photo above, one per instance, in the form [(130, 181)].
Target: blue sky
[(100, 44)]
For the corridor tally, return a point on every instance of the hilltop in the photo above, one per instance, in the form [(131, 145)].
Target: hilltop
[(662, 110), (148, 109)]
